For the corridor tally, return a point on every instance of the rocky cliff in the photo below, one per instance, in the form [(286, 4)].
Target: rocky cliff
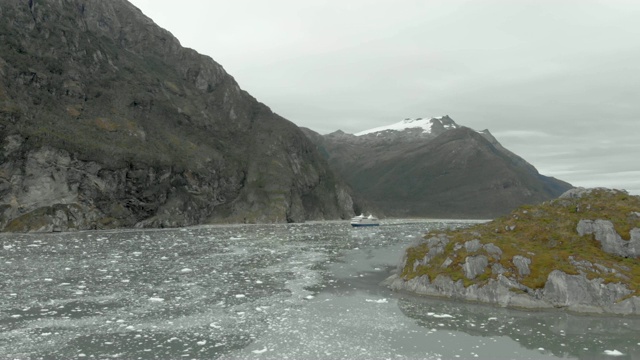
[(435, 168), (107, 121), (579, 252)]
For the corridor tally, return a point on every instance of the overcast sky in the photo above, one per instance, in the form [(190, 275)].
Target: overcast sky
[(555, 81)]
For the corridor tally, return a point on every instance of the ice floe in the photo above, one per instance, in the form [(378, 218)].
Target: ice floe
[(263, 350), (613, 353), (378, 301), (439, 316)]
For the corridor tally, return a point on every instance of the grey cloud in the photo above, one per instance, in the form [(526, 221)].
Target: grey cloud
[(522, 69)]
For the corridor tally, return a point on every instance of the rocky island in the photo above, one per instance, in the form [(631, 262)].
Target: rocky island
[(578, 252)]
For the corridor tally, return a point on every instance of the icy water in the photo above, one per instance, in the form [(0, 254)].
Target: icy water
[(297, 291)]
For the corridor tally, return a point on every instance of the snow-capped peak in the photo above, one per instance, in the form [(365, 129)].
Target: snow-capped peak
[(408, 123)]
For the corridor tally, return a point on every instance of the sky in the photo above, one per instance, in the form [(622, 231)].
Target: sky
[(555, 81)]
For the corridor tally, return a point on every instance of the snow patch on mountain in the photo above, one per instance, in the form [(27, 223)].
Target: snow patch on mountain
[(408, 123)]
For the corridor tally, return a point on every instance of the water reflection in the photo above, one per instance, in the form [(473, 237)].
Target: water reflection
[(552, 332)]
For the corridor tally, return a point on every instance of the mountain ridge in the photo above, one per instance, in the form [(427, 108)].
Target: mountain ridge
[(433, 167), (107, 121)]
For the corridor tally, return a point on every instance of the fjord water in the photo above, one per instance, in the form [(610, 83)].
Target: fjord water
[(296, 291)]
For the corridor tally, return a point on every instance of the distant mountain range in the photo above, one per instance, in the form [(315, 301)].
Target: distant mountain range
[(433, 167)]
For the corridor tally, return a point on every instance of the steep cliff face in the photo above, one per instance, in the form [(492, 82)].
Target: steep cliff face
[(578, 252), (435, 168), (107, 121)]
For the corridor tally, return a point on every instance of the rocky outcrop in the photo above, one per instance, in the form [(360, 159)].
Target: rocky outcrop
[(534, 274), (609, 239), (51, 191), (474, 266), (522, 264), (501, 291), (573, 292), (107, 121), (577, 293)]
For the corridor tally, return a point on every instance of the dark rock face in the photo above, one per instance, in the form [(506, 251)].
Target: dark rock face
[(451, 171), (107, 121)]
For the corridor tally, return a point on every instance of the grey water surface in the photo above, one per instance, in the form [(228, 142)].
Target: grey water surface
[(294, 291)]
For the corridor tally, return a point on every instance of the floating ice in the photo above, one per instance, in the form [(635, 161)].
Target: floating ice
[(613, 352), (439, 316), (379, 301), (186, 270), (276, 272), (260, 351)]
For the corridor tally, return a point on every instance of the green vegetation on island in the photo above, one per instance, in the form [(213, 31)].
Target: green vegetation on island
[(545, 234)]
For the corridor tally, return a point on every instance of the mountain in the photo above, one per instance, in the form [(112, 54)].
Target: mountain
[(107, 121), (433, 167)]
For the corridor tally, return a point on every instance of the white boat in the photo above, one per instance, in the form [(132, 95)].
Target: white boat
[(361, 220)]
